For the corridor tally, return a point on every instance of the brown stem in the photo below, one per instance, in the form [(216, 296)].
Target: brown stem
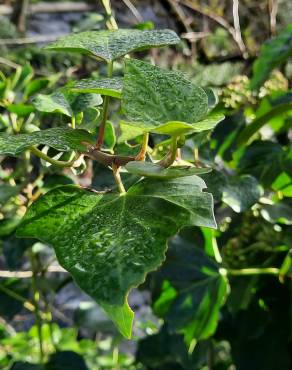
[(108, 159)]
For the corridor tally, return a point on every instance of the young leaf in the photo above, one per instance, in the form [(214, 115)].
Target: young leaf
[(155, 171), (103, 86), (21, 110), (63, 139), (110, 45), (65, 102), (162, 101), (273, 53), (109, 242)]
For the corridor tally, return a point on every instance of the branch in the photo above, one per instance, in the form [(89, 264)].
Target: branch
[(108, 159)]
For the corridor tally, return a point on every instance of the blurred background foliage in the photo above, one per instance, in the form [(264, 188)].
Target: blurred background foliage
[(244, 323)]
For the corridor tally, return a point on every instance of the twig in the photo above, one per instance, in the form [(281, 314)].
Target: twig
[(237, 34), (215, 17), (9, 63), (111, 23), (180, 14), (108, 159), (28, 40), (55, 7), (134, 10), (27, 274), (273, 9)]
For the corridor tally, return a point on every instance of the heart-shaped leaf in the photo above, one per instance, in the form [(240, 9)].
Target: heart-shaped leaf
[(109, 242), (103, 86), (63, 139), (161, 101), (110, 45), (153, 170)]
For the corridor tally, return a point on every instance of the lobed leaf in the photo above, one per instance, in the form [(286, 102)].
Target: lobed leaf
[(161, 101), (63, 139), (109, 242), (112, 44)]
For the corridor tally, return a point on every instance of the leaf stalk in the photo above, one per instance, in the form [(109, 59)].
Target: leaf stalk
[(105, 109), (54, 162), (117, 176), (142, 154), (168, 160)]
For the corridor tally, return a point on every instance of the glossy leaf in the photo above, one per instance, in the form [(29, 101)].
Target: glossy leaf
[(240, 193), (109, 242), (63, 139), (103, 86), (110, 45), (159, 100), (153, 170)]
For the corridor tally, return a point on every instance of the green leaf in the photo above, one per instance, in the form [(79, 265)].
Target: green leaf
[(273, 53), (109, 242), (283, 183), (65, 102), (35, 86), (240, 193), (110, 45), (109, 136), (63, 139), (21, 110), (193, 290), (280, 212), (161, 101), (265, 160), (153, 170), (103, 86)]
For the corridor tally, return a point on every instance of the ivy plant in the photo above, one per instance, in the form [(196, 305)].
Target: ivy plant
[(110, 240)]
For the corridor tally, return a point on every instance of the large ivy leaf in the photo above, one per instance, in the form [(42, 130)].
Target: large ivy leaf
[(109, 242), (103, 86), (154, 170), (161, 101), (193, 290), (63, 139), (110, 45), (65, 102), (273, 53)]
